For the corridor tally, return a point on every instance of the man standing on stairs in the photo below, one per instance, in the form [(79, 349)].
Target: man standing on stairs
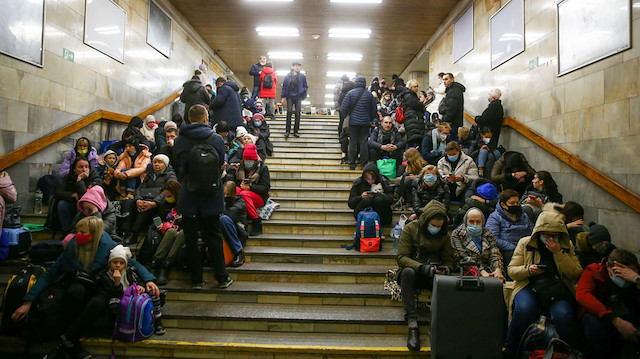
[(294, 90), (255, 71), (360, 106), (201, 210)]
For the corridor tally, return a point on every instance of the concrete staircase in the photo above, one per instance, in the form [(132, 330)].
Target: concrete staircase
[(300, 295)]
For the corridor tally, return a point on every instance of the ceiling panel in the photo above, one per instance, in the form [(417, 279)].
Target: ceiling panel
[(400, 28)]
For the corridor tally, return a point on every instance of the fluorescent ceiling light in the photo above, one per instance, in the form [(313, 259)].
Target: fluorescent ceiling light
[(328, 96), (330, 87), (358, 1), (277, 31), (269, 0), (305, 103), (349, 74), (292, 55), (350, 33), (285, 72), (344, 56), (329, 103)]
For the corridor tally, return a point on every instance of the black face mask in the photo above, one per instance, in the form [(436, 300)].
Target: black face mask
[(514, 209)]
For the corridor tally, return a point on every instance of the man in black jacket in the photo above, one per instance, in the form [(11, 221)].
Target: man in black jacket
[(492, 116), (255, 71), (193, 94), (452, 106), (227, 106)]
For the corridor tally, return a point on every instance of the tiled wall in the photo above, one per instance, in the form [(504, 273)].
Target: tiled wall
[(592, 112), (35, 101)]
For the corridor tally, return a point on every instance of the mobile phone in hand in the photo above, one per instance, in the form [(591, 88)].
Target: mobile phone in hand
[(157, 221), (542, 266)]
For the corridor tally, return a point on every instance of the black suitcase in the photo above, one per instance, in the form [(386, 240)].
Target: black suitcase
[(467, 319)]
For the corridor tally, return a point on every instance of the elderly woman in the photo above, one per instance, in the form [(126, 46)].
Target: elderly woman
[(472, 242), (86, 255), (423, 251), (544, 267)]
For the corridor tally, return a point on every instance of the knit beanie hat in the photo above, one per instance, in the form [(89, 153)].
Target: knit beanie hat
[(488, 191), (250, 152), (598, 233), (241, 132), (163, 158), (136, 122), (258, 116), (120, 251), (170, 124)]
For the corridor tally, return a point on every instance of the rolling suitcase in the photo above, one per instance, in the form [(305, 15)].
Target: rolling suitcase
[(467, 319)]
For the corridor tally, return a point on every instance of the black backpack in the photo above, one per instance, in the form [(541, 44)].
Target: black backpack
[(268, 81), (12, 217), (203, 172), (17, 287)]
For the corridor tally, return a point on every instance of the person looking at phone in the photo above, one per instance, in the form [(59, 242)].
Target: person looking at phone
[(609, 297), (457, 169), (543, 189), (544, 267), (373, 190)]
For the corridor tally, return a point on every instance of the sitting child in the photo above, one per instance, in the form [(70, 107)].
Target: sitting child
[(119, 275), (82, 148), (106, 171)]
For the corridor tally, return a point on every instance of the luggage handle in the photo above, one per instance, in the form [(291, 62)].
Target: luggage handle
[(469, 283)]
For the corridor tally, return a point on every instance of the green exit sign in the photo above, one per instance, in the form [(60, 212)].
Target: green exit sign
[(533, 63), (67, 55)]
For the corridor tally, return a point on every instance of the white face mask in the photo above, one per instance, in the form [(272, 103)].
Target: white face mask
[(486, 140)]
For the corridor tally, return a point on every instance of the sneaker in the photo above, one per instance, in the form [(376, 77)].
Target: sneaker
[(197, 286), (160, 330), (286, 135), (238, 260), (344, 161), (352, 167), (398, 205), (226, 283), (296, 135), (60, 351), (78, 352)]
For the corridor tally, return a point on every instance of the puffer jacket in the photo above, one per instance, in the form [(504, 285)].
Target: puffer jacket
[(465, 168), (264, 92), (507, 231), (138, 167), (413, 116), (466, 250), (226, 106), (363, 112), (95, 195), (260, 186), (151, 188), (92, 156), (417, 245), (423, 194), (193, 94), (360, 185), (527, 253), (454, 102), (71, 185), (8, 193)]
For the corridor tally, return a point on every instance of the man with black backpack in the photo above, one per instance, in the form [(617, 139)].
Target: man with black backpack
[(200, 154)]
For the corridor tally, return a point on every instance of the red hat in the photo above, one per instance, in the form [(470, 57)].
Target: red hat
[(250, 152)]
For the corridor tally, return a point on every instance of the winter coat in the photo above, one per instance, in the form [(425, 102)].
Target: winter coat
[(344, 90), (337, 90), (227, 106), (423, 194), (466, 250), (364, 111), (492, 117), (262, 185), (486, 206), (149, 133), (190, 204), (138, 167), (169, 151), (118, 147), (262, 134), (360, 185), (255, 72), (527, 253), (439, 95), (299, 93), (134, 275), (465, 168), (431, 153), (417, 245), (70, 185), (92, 156), (376, 139), (507, 231), (264, 92), (594, 290), (553, 196), (8, 194), (500, 174), (106, 211), (399, 85), (68, 262), (160, 138), (151, 188), (236, 209), (454, 102), (193, 94), (413, 115)]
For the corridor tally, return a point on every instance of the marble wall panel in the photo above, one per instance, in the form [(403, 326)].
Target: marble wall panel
[(40, 120), (617, 118), (620, 82), (17, 116), (4, 111), (634, 116), (10, 84), (84, 79), (34, 90), (622, 227)]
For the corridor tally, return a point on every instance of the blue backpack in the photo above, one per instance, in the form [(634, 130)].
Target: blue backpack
[(368, 236)]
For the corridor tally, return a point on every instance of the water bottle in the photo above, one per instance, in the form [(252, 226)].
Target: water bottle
[(395, 234), (37, 206)]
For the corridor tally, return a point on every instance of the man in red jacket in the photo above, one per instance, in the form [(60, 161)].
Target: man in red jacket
[(268, 88), (609, 298)]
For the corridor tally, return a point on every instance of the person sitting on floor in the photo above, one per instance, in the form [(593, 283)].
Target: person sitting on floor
[(82, 148), (512, 171), (132, 166), (386, 141), (373, 190), (458, 170), (429, 186)]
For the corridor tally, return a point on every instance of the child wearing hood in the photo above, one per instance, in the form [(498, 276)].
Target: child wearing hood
[(106, 171), (119, 275), (94, 203), (82, 148), (148, 129)]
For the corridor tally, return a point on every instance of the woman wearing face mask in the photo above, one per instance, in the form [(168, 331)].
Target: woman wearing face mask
[(423, 251), (172, 235), (433, 144), (148, 130), (253, 181), (472, 242), (82, 148), (482, 147), (544, 268), (385, 103), (259, 128), (508, 223), (72, 188), (457, 169), (429, 186), (415, 163), (95, 203)]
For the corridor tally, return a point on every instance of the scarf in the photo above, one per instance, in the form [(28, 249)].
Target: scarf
[(436, 143), (386, 137)]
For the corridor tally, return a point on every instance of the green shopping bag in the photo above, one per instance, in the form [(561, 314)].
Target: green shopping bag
[(387, 167)]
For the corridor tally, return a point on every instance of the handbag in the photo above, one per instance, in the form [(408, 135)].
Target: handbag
[(345, 123), (387, 167), (549, 289)]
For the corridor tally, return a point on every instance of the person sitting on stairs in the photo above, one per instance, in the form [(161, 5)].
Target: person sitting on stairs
[(372, 190), (172, 240), (233, 222), (254, 181)]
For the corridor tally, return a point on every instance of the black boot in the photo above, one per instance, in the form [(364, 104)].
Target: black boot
[(162, 274), (287, 134), (256, 227), (413, 342)]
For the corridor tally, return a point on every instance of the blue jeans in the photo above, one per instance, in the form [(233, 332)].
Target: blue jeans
[(65, 214), (526, 311), (230, 232), (256, 92), (482, 156)]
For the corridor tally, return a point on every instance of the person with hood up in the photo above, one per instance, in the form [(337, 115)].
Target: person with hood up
[(95, 203), (256, 71), (193, 93), (544, 269), (294, 90), (386, 141), (254, 181), (457, 169), (593, 246), (372, 190), (268, 95), (72, 188), (608, 293), (337, 91), (424, 250), (226, 106), (452, 106), (148, 130), (259, 128), (429, 186), (82, 148), (512, 171), (132, 166), (472, 242), (413, 113), (8, 193), (361, 114), (347, 85)]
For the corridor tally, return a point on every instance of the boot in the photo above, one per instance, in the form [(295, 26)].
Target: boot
[(256, 227), (413, 342), (162, 273)]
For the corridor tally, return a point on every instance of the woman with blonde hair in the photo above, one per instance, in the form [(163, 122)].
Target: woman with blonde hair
[(414, 166), (429, 186)]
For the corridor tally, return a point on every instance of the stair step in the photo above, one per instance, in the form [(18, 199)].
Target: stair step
[(311, 192), (335, 157), (281, 142), (303, 273), (320, 214), (291, 240), (319, 255), (332, 166), (295, 202), (330, 131), (280, 149), (345, 227), (306, 183), (300, 141), (316, 174)]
